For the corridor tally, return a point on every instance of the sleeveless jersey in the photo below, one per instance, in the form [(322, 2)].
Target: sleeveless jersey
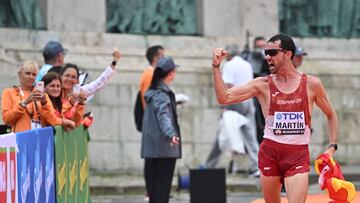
[(289, 118)]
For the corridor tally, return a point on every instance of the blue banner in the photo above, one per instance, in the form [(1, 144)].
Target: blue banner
[(35, 166)]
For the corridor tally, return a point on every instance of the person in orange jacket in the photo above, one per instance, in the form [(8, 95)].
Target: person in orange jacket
[(75, 96), (53, 87), (153, 54), (25, 107), (73, 102), (52, 84)]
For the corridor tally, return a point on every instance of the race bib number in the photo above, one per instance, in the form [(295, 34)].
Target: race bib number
[(289, 123)]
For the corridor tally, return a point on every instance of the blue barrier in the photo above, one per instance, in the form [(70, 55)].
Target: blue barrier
[(35, 164)]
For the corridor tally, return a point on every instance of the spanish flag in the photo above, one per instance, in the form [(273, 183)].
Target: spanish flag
[(332, 180)]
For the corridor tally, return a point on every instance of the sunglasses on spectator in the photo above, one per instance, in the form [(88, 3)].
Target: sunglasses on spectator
[(272, 52)]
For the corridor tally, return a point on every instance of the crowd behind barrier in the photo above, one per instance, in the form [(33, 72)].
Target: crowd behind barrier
[(44, 165)]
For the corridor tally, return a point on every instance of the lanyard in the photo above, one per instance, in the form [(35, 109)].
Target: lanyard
[(31, 113)]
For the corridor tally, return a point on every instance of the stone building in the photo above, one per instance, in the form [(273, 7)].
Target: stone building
[(83, 27)]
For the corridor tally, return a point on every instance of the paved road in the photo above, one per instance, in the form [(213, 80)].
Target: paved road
[(181, 198)]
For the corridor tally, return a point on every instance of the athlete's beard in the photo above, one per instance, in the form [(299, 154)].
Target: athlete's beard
[(276, 67)]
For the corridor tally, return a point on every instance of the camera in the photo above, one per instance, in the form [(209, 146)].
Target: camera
[(40, 86), (76, 89)]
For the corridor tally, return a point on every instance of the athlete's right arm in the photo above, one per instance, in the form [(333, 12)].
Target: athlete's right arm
[(229, 95)]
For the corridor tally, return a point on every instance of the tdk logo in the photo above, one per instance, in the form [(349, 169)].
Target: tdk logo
[(290, 116)]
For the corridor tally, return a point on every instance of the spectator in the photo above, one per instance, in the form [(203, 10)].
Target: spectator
[(161, 144), (257, 58), (25, 107), (52, 84), (236, 72), (261, 68), (153, 54), (298, 57), (73, 102), (54, 55), (53, 87), (91, 88)]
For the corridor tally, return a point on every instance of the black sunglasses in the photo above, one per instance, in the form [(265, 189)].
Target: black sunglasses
[(272, 52)]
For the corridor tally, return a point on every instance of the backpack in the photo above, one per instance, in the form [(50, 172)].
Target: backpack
[(138, 112)]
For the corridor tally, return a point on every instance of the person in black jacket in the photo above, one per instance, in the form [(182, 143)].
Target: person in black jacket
[(160, 145)]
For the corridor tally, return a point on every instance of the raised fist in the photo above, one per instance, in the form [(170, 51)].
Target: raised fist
[(218, 55), (116, 54)]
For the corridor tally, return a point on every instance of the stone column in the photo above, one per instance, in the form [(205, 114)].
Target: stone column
[(79, 15), (231, 18)]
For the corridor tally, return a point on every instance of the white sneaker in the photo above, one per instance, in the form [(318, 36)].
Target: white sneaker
[(146, 198)]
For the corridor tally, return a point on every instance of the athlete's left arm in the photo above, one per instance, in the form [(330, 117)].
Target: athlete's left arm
[(322, 101)]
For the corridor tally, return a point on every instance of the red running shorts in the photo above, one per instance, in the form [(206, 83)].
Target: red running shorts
[(284, 160)]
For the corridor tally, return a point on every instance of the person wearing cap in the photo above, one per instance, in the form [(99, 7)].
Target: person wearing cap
[(153, 54), (161, 139), (54, 55), (298, 57), (236, 72)]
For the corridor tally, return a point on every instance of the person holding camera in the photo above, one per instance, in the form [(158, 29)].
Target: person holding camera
[(74, 96), (73, 100), (26, 107), (53, 87)]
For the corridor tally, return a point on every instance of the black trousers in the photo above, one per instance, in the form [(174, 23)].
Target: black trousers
[(260, 121), (159, 173)]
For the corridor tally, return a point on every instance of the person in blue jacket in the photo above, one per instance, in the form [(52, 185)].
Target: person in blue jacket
[(160, 145)]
